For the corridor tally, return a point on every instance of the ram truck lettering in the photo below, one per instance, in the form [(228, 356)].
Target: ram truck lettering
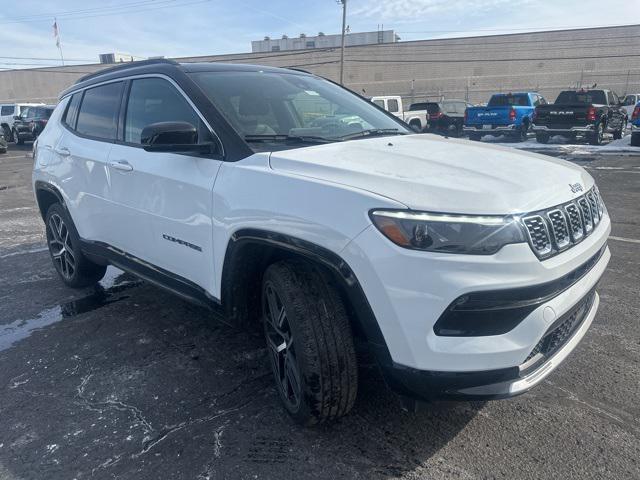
[(466, 271)]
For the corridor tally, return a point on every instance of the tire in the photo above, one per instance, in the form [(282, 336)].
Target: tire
[(542, 138), (523, 133), (635, 139), (596, 137), (618, 134), (73, 267), (17, 139), (475, 137), (416, 126), (8, 136), (309, 342)]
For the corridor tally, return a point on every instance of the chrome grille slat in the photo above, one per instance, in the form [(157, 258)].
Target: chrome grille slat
[(575, 220), (559, 228), (538, 234), (555, 229)]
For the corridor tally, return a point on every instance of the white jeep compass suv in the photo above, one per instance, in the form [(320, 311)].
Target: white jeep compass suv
[(468, 270)]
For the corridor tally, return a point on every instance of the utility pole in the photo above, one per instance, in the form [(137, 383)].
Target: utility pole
[(344, 26)]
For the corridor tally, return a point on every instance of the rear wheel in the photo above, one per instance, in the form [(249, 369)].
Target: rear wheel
[(523, 132), (542, 137), (596, 137), (7, 133), (74, 268), (475, 137), (635, 139), (617, 135), (309, 341)]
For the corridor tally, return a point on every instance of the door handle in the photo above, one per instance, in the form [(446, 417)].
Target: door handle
[(62, 151), (121, 165)]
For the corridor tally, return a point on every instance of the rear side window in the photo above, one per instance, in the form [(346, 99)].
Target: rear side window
[(392, 104), (433, 108), (98, 111), (154, 100), (509, 100), (71, 115), (7, 110)]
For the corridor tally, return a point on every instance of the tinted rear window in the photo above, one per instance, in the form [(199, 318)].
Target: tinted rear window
[(418, 106), (509, 100), (98, 111), (7, 110), (589, 97)]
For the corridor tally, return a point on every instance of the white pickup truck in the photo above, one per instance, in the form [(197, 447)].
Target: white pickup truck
[(418, 120)]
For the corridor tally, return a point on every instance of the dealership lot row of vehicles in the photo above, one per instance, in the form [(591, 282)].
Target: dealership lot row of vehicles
[(586, 114)]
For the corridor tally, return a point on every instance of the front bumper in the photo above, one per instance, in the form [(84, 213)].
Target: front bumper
[(409, 290)]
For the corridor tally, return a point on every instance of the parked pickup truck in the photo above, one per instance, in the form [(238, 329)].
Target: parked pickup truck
[(585, 113), (418, 120), (635, 126), (506, 114)]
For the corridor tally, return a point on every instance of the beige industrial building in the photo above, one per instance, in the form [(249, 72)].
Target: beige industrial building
[(471, 67)]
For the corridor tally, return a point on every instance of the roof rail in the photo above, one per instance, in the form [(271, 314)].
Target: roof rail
[(124, 66), (299, 70)]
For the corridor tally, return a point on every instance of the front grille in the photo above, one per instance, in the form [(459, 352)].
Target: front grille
[(563, 329), (555, 229)]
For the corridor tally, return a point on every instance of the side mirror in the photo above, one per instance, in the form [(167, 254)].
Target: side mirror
[(172, 137), (17, 117)]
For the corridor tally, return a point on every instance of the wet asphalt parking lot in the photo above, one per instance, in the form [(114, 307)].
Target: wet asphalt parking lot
[(126, 381)]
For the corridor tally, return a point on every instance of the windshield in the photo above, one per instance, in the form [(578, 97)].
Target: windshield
[(508, 100), (589, 97), (278, 106)]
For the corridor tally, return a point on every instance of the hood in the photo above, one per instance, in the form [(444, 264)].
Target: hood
[(431, 173)]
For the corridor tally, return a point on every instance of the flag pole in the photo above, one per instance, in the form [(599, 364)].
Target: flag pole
[(56, 33)]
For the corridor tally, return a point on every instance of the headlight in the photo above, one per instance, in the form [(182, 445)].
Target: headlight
[(471, 234)]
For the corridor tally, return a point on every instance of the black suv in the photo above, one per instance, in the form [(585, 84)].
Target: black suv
[(445, 117), (30, 123)]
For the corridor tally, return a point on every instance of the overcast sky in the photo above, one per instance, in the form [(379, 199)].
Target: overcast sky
[(200, 27)]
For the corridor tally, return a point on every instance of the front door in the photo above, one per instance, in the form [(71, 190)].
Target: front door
[(164, 200)]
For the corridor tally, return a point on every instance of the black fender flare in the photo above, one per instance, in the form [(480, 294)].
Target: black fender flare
[(347, 279)]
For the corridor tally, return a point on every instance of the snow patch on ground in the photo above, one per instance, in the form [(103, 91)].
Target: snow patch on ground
[(561, 145)]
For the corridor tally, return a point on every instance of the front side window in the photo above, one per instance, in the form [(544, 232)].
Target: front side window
[(629, 100), (155, 100), (98, 111), (290, 104)]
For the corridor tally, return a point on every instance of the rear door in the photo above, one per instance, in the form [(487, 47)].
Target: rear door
[(81, 155), (162, 202)]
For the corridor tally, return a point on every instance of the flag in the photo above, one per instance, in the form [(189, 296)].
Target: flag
[(56, 35)]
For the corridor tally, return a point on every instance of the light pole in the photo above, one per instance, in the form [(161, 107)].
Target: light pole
[(344, 26)]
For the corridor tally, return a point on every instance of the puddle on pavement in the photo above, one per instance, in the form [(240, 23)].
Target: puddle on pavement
[(109, 290)]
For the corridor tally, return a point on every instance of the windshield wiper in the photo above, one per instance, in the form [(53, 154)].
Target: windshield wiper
[(372, 132), (284, 138)]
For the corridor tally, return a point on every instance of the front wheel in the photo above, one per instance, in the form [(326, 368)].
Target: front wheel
[(17, 139), (309, 341), (7, 134), (72, 266)]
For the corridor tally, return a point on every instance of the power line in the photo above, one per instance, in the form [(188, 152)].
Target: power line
[(120, 11)]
